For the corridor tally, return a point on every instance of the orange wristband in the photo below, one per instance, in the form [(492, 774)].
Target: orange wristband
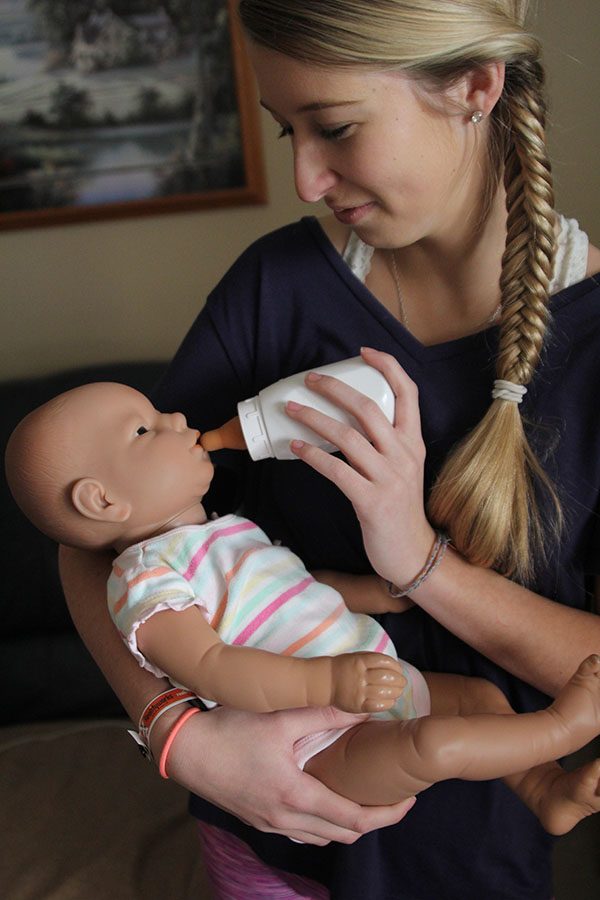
[(153, 711), (162, 764)]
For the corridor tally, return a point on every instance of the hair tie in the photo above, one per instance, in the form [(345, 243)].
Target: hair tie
[(508, 390)]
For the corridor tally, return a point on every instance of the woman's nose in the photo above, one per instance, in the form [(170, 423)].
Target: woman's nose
[(312, 175)]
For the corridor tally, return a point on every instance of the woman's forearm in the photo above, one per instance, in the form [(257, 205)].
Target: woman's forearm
[(532, 637), (84, 577), (536, 639), (242, 762)]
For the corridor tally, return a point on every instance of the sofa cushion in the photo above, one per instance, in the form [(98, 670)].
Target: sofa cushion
[(84, 817)]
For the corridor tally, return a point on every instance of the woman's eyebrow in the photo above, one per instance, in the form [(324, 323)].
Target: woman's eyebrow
[(314, 107)]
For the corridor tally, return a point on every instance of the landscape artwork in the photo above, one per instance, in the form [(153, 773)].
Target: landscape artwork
[(123, 107)]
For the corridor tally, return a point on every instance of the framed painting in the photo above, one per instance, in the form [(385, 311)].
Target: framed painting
[(117, 108)]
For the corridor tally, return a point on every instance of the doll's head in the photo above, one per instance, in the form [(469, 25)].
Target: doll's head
[(99, 466)]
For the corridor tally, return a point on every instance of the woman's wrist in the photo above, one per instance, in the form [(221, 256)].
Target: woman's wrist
[(434, 558), (172, 736), (163, 728), (388, 604)]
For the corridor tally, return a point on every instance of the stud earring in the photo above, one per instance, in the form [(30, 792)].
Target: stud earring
[(476, 117)]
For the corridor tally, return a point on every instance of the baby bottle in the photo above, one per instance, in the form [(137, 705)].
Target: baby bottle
[(264, 428)]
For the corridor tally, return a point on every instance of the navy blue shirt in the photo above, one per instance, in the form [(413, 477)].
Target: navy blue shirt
[(288, 304)]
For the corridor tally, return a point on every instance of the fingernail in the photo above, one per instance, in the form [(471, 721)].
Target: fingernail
[(296, 445), (314, 376), (291, 404), (366, 350)]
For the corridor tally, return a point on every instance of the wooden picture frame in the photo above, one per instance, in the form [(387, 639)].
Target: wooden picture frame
[(196, 106)]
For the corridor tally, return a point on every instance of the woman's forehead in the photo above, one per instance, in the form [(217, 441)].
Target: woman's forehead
[(292, 86)]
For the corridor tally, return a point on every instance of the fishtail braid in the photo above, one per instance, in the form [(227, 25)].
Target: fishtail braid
[(487, 492)]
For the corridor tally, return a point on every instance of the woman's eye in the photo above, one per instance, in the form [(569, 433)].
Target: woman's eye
[(334, 134), (142, 430), (285, 131)]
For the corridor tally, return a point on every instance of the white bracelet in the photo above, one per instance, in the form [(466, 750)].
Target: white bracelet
[(153, 711)]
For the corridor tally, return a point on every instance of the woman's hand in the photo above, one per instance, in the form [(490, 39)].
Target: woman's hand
[(383, 475), (244, 763), (536, 639)]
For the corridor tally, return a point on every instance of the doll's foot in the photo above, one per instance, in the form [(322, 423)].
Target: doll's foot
[(578, 704), (366, 682), (568, 797)]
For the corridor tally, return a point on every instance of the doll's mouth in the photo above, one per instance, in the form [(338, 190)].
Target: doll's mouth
[(198, 446)]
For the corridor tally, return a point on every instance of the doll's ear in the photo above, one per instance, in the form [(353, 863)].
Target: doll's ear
[(89, 498)]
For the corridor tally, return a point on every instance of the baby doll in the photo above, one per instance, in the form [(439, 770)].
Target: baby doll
[(217, 608)]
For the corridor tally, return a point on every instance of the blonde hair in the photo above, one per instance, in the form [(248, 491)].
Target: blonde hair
[(487, 494)]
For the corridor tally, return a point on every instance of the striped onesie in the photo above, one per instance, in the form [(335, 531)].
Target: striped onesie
[(254, 594)]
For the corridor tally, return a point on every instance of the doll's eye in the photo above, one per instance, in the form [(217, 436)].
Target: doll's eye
[(142, 430)]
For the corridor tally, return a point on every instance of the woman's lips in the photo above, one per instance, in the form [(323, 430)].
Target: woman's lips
[(352, 214)]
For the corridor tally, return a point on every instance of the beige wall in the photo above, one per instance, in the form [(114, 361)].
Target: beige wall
[(129, 289), (570, 30), (124, 289)]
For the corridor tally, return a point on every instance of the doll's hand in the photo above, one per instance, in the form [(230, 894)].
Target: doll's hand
[(365, 682)]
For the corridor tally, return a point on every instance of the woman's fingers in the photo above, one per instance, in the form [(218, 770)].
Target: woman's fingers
[(325, 815), (404, 388), (382, 474), (388, 439), (362, 819), (365, 411), (245, 763), (356, 448), (353, 482)]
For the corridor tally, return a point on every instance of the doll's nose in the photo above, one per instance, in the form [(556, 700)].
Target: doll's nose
[(177, 421)]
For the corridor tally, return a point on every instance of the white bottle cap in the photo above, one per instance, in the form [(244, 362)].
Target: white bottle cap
[(253, 429)]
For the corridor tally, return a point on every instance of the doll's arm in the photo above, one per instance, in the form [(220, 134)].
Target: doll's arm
[(242, 762), (363, 593), (183, 644)]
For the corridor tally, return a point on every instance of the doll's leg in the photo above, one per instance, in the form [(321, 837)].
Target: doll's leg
[(558, 798), (416, 753)]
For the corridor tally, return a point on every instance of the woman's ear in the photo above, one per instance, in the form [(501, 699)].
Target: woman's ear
[(480, 89), (90, 500)]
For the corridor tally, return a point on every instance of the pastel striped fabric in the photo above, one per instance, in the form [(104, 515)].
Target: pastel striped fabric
[(253, 593)]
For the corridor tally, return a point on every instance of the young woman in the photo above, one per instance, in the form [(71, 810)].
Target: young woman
[(421, 126)]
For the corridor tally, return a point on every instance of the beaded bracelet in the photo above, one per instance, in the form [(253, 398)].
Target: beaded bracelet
[(438, 550), (164, 753)]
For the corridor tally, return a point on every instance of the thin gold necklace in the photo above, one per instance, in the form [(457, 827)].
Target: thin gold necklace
[(402, 310)]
